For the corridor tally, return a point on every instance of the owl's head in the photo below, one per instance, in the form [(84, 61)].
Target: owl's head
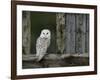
[(45, 33)]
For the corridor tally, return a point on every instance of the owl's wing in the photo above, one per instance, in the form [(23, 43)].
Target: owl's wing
[(41, 47)]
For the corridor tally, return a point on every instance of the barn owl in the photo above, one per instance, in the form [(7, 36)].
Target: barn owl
[(42, 43)]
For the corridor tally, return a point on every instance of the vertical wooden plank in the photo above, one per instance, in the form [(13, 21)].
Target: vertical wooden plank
[(70, 33), (60, 28), (87, 34), (26, 32), (83, 28), (67, 34), (81, 33), (78, 33)]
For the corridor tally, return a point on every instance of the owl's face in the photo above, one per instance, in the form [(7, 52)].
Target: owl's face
[(45, 33)]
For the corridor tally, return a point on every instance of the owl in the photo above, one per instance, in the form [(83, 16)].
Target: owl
[(42, 43)]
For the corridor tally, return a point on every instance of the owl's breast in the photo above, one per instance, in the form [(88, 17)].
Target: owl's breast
[(43, 42)]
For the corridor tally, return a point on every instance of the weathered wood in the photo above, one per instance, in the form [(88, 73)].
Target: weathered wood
[(83, 28), (67, 42), (28, 57), (74, 55), (26, 32), (81, 33), (77, 33), (70, 33), (87, 34), (60, 28), (32, 57)]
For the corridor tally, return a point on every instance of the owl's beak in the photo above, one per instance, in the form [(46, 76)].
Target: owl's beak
[(45, 38)]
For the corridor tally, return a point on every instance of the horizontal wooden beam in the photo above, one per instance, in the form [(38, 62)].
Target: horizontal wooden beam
[(32, 57)]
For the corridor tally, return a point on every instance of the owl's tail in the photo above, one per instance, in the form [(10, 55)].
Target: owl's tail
[(39, 58)]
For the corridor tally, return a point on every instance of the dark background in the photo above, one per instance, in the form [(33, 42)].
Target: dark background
[(39, 21)]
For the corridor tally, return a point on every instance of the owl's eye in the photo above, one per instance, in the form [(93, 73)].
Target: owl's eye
[(43, 33), (47, 33)]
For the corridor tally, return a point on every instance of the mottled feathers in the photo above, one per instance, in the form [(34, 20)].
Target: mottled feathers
[(42, 43)]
